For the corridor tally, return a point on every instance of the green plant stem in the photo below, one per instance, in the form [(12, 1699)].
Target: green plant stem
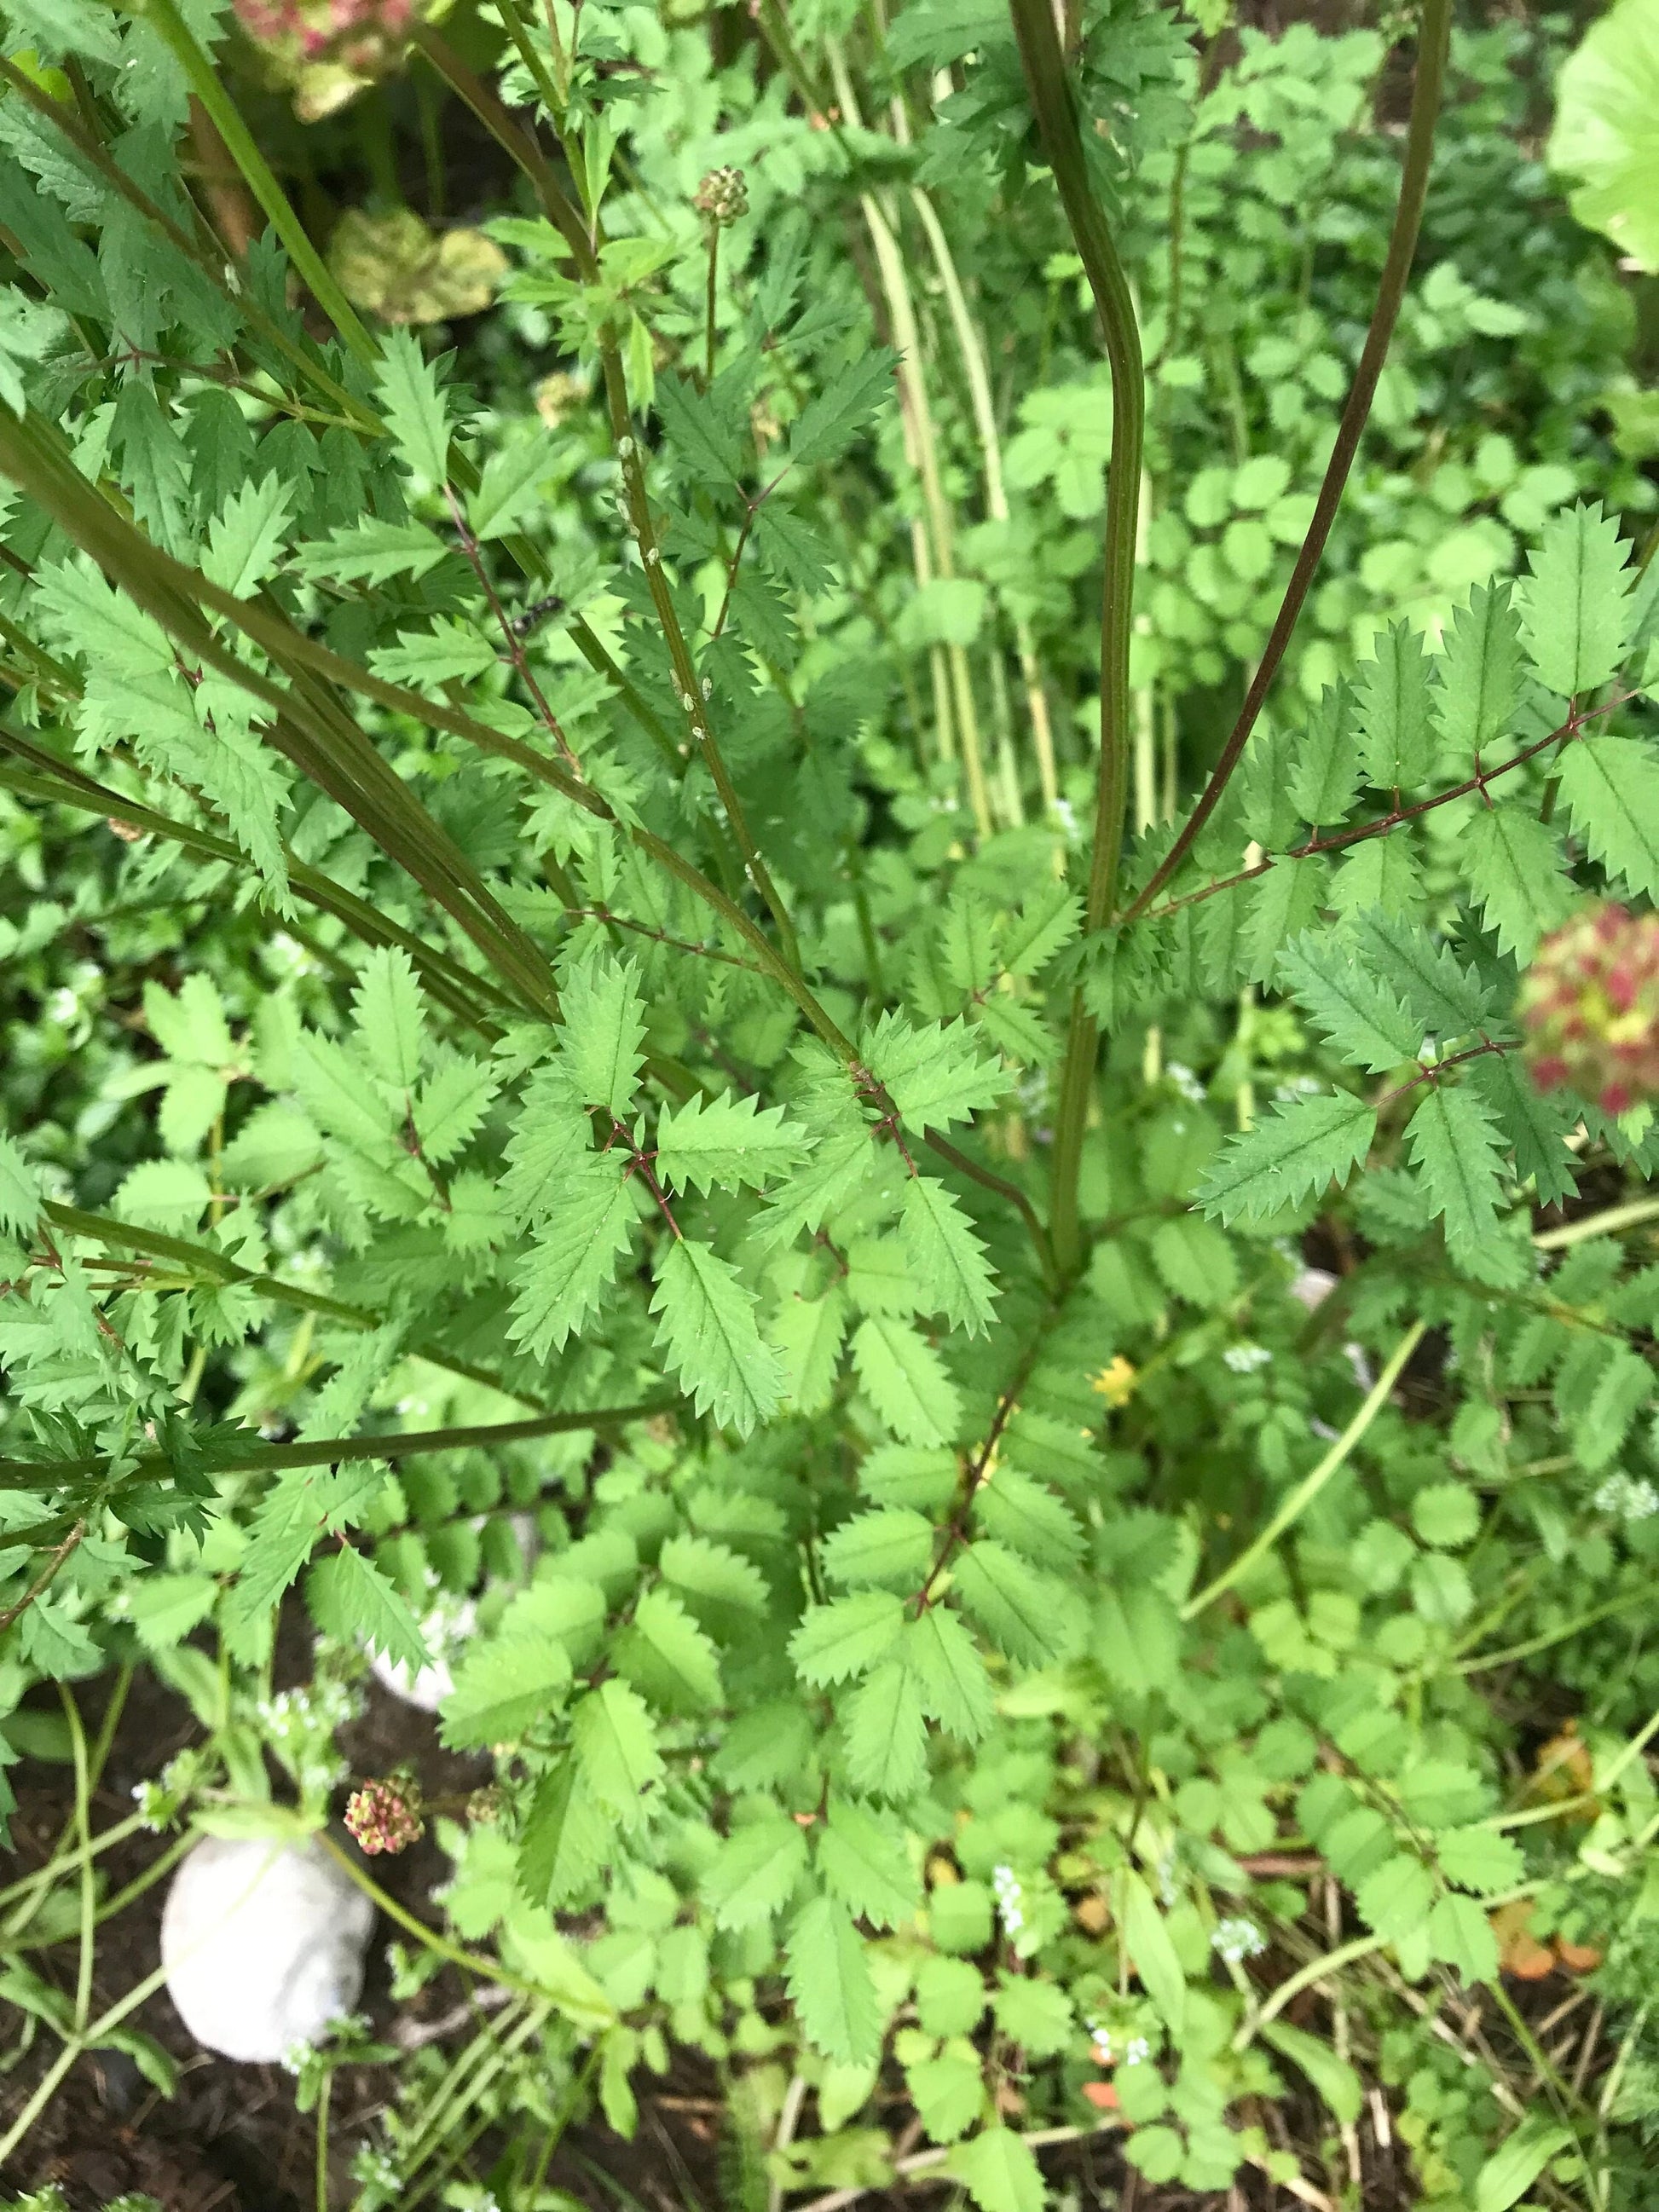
[(86, 2039), (92, 151), (44, 1876), (45, 1577), (563, 214), (1433, 39), (206, 1265), (486, 1969), (391, 1443), (1314, 1481), (580, 2083), (458, 990), (1608, 1223), (323, 2095), (1483, 1663), (1305, 1978), (1062, 142), (971, 345), (83, 1829), (278, 210)]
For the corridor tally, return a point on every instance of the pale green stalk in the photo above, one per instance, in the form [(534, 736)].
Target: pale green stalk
[(1314, 1481)]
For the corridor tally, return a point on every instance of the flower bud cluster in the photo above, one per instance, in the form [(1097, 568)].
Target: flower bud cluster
[(385, 1815), (722, 196), (1590, 1003)]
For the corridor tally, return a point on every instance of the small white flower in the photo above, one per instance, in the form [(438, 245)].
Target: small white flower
[(707, 687), (1186, 1083), (652, 556), (1066, 815), (1010, 1898), (1627, 1498), (625, 448), (1238, 1940), (1136, 2051), (1245, 1358), (63, 1005)]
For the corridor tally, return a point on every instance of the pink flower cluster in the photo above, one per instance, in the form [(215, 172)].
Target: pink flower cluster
[(1590, 1003), (361, 35), (386, 1816)]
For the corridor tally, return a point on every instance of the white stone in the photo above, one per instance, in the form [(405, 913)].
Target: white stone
[(263, 1943), (443, 1632)]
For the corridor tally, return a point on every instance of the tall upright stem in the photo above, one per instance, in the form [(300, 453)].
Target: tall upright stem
[(1433, 41), (1057, 124)]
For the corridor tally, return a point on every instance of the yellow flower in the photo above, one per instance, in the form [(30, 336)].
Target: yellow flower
[(1116, 1382)]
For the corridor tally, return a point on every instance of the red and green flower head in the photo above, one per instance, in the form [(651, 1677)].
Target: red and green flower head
[(1590, 1003), (385, 1815)]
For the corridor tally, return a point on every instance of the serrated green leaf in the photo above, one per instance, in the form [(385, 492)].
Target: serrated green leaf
[(1479, 673), (705, 1328), (846, 1637), (1574, 606), (833, 417), (864, 1859), (352, 1601), (809, 1333), (602, 1029), (1536, 1126), (1610, 786), (935, 1075), (906, 1381), (391, 1016), (566, 1840), (951, 1676), (245, 539), (370, 551), (1044, 925), (725, 1140), (502, 1687), (578, 1246), (1396, 744), (1363, 1019), (1325, 767), (890, 1547), (1444, 996), (830, 1984), (617, 1746), (999, 2172), (699, 433), (449, 1106), (1397, 1898), (886, 1733), (1296, 1150), (415, 409), (507, 484), (756, 1871), (1461, 1936), (1481, 1858), (948, 1258), (1028, 1518), (714, 1573), (1031, 1616), (1513, 866), (20, 1192), (667, 1657), (1453, 1141)]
